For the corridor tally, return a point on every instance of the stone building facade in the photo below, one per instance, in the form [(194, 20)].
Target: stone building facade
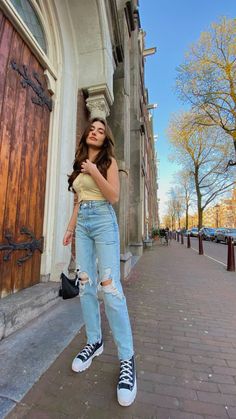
[(222, 214), (91, 58)]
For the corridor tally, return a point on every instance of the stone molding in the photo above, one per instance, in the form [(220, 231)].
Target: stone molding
[(99, 101), (98, 106)]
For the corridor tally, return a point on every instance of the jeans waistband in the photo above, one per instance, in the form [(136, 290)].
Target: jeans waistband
[(92, 204)]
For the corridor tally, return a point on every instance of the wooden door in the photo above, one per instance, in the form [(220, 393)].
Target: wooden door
[(25, 106)]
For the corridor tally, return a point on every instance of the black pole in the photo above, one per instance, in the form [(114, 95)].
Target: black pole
[(182, 238), (230, 257), (188, 241), (200, 245)]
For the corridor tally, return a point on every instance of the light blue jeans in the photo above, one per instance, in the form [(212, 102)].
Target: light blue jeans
[(98, 259)]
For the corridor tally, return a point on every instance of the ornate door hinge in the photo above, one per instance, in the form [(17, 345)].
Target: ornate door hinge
[(41, 99), (29, 246)]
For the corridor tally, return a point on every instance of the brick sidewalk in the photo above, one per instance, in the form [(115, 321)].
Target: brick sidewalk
[(183, 312)]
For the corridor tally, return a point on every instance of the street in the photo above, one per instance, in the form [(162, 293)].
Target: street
[(217, 251)]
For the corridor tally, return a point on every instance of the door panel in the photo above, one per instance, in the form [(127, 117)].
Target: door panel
[(23, 158)]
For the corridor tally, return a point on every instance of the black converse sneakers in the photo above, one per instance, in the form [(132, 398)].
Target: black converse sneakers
[(84, 358), (127, 386)]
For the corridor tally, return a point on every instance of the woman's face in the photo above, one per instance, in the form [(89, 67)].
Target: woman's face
[(96, 135)]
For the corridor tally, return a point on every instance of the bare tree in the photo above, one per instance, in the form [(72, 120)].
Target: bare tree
[(176, 202), (170, 216), (207, 78), (203, 152), (186, 188), (168, 222)]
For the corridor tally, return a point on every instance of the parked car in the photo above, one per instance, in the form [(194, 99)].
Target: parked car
[(217, 231), (194, 232), (222, 234), (208, 233), (232, 233), (187, 232)]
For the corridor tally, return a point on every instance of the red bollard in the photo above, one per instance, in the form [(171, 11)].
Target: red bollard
[(182, 238), (200, 245), (230, 258), (188, 241)]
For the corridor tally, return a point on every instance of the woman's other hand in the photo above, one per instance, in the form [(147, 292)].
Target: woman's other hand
[(88, 167), (67, 239)]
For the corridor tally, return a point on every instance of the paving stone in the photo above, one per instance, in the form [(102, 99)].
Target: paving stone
[(227, 388), (232, 412), (205, 408), (176, 391), (224, 399)]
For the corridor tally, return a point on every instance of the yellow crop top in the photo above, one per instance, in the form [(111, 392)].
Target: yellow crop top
[(86, 188)]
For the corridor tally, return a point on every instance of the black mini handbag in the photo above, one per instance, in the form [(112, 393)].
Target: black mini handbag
[(69, 287)]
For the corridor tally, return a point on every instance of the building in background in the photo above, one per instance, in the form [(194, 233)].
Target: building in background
[(222, 214), (63, 61)]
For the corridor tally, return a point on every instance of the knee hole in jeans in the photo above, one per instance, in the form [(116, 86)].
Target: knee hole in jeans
[(106, 282), (83, 280), (83, 277), (108, 287)]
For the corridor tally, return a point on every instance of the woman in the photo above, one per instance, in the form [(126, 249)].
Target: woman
[(95, 180)]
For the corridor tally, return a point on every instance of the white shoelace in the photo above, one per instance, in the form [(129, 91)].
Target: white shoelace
[(126, 373), (87, 351)]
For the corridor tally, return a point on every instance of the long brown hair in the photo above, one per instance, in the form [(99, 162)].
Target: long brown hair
[(103, 159)]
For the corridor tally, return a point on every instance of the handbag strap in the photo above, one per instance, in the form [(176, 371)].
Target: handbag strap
[(71, 268)]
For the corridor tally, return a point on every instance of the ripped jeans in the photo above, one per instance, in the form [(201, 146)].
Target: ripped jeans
[(97, 237)]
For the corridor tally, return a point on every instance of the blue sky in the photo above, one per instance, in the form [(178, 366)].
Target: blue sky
[(172, 26)]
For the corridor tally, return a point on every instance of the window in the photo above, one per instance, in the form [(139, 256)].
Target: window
[(30, 18)]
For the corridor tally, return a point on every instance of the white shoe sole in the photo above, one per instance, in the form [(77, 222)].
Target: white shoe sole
[(83, 366), (128, 402)]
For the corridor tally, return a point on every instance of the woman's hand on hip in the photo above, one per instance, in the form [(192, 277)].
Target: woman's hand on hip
[(67, 239)]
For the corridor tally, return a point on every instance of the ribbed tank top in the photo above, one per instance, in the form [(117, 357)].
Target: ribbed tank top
[(86, 188)]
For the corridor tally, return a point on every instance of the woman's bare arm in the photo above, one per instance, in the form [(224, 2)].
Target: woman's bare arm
[(73, 219), (68, 236)]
